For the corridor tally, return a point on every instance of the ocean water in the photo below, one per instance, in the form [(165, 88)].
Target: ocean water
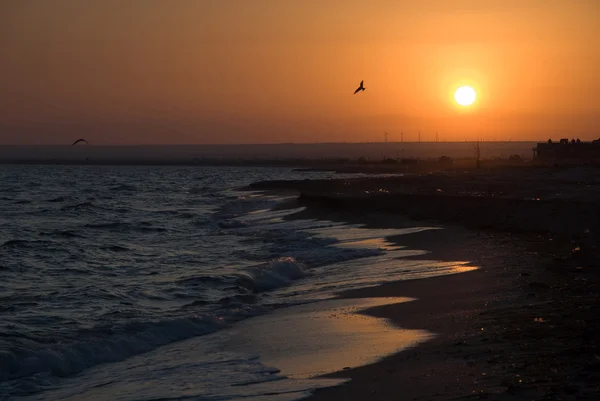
[(116, 282)]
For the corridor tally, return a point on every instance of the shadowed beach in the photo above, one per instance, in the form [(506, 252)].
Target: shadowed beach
[(523, 326)]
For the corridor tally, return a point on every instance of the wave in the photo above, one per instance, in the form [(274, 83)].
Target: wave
[(201, 190), (124, 187), (109, 226), (56, 200), (204, 221), (66, 360), (147, 226), (201, 280), (260, 278), (22, 243), (275, 274), (303, 246), (198, 302), (332, 254), (82, 205), (125, 226), (179, 213), (187, 215), (60, 233), (116, 248), (239, 299), (228, 224)]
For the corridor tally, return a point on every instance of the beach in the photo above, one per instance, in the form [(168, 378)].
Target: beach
[(139, 283), (142, 283), (288, 200), (522, 326)]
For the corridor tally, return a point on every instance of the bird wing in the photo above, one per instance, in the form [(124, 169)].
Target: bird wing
[(79, 140), (361, 83), (356, 91)]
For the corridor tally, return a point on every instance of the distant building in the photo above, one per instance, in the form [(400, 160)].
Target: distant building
[(568, 151)]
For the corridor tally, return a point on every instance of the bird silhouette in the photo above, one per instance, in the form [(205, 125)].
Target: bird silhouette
[(360, 88), (79, 140)]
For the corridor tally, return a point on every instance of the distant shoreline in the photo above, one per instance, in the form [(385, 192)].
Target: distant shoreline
[(439, 143), (300, 155), (516, 199), (421, 166)]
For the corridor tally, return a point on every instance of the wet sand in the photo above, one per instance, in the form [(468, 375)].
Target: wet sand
[(312, 340), (524, 326)]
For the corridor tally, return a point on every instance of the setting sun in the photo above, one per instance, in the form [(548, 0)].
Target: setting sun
[(465, 95)]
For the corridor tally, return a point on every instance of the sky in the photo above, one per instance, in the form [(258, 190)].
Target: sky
[(281, 71)]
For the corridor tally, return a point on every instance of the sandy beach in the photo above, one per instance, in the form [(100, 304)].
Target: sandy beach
[(522, 327)]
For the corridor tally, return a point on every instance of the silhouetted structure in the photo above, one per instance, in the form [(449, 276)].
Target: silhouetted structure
[(568, 151)]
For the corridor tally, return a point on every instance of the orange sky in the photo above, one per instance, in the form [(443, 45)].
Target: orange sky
[(240, 71)]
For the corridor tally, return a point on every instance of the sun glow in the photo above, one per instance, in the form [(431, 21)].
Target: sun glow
[(465, 95)]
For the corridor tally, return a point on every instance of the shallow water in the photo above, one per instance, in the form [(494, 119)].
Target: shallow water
[(104, 271)]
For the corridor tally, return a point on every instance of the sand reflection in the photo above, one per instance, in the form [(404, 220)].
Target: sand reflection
[(315, 339)]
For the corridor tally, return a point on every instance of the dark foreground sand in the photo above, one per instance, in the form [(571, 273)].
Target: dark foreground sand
[(524, 327)]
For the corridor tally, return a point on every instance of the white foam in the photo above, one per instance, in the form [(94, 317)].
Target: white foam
[(277, 273)]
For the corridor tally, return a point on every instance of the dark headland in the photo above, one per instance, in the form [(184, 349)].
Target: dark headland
[(525, 326)]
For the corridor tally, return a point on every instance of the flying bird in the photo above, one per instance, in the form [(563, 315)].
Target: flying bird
[(79, 140), (360, 88)]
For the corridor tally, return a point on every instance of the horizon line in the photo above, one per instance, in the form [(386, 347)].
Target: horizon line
[(271, 143)]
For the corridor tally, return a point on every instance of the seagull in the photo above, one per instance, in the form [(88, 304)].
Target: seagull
[(360, 88), (79, 140)]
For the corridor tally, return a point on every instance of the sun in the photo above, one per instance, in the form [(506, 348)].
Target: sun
[(465, 95)]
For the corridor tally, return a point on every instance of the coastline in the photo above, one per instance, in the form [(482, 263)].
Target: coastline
[(487, 328), (535, 201), (523, 326)]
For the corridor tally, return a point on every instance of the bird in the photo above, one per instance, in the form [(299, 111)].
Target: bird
[(79, 140), (360, 88)]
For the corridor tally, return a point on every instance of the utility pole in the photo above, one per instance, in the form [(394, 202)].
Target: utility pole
[(419, 136), (402, 137), (477, 154), (385, 136)]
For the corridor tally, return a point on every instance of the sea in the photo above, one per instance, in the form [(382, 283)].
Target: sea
[(122, 282)]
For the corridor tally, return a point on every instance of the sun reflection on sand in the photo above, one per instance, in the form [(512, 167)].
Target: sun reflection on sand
[(315, 339)]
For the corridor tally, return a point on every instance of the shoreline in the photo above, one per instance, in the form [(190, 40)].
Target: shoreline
[(523, 326), (448, 306), (561, 204), (489, 324)]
